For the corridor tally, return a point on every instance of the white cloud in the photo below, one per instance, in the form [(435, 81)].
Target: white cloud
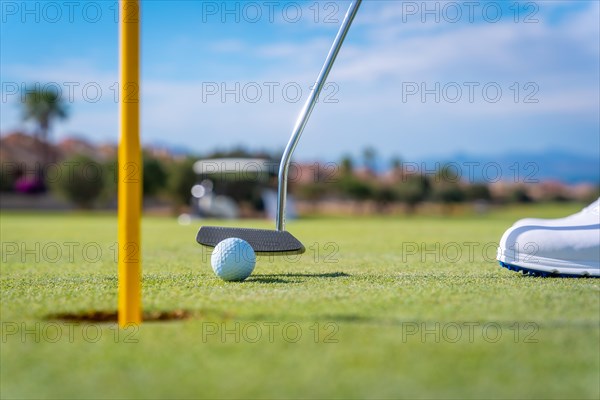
[(228, 46)]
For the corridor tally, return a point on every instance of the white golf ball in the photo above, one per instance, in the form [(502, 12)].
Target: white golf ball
[(233, 259)]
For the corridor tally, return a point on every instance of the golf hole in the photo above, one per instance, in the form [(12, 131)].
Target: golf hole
[(113, 316)]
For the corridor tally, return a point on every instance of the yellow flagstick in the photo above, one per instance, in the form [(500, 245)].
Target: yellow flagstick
[(130, 166)]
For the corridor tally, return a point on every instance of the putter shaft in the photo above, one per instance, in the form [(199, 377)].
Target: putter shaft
[(284, 166)]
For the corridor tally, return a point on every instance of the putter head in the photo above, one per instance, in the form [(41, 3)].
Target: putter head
[(263, 241)]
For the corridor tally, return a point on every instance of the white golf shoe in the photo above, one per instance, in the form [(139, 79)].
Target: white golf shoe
[(566, 247)]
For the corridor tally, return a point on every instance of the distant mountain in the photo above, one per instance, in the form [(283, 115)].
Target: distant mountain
[(523, 167), (173, 149)]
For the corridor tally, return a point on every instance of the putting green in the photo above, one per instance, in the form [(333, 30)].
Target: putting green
[(383, 307)]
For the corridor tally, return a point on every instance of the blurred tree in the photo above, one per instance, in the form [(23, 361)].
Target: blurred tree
[(370, 159), (111, 181), (154, 176), (449, 193), (313, 192), (447, 174), (81, 181), (447, 188), (346, 165), (477, 191), (355, 188), (180, 181), (43, 106), (384, 195), (396, 163), (8, 177), (519, 195), (412, 190)]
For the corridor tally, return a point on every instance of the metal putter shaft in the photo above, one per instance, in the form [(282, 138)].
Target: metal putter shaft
[(264, 241), (284, 166)]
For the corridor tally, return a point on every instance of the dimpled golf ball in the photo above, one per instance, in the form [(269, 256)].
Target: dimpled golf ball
[(233, 259)]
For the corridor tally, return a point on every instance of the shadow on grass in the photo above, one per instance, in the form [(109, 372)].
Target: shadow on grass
[(527, 326), (268, 279), (113, 316), (291, 277)]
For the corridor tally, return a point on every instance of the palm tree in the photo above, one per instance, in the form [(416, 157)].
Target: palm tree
[(346, 165), (43, 106), (370, 159)]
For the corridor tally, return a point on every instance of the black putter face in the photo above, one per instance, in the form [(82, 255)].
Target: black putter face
[(263, 241)]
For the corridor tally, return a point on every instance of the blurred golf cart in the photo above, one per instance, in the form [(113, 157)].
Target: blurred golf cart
[(231, 188)]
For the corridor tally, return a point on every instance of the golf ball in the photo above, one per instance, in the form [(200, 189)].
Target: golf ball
[(233, 259)]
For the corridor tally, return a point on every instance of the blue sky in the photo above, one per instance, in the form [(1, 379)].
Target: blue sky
[(414, 79)]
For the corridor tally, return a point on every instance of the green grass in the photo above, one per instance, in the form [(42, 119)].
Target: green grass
[(362, 314)]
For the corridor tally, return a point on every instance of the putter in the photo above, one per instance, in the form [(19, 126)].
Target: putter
[(279, 241)]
